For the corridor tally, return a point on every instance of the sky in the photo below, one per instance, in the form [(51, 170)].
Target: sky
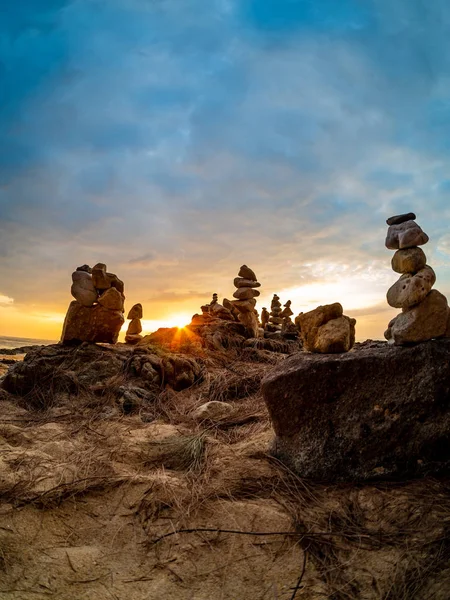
[(175, 140)]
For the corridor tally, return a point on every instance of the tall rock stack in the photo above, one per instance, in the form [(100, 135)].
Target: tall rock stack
[(425, 311), (133, 335), (245, 302), (96, 314)]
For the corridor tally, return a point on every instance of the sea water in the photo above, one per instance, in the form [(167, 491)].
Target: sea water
[(17, 342)]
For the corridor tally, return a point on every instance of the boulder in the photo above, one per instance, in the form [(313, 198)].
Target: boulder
[(213, 411), (247, 273), (111, 299), (405, 235), (312, 320), (100, 277), (83, 289), (398, 219), (423, 322), (95, 324), (245, 293), (337, 335), (411, 289), (378, 410), (135, 312)]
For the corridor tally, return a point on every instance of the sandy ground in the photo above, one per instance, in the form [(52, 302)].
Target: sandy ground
[(86, 494)]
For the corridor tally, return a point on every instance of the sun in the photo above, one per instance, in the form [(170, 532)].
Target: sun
[(178, 320)]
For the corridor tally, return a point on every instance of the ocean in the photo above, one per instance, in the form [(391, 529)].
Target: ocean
[(16, 342)]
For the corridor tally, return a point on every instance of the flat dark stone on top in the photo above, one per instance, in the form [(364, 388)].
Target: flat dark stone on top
[(397, 219)]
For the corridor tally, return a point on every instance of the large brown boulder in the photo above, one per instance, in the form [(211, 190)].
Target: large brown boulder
[(326, 329), (91, 324), (380, 410)]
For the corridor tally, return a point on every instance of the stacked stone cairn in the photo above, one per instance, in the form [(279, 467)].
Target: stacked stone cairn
[(327, 330), (133, 334), (96, 314), (275, 319), (265, 316), (245, 294), (425, 312)]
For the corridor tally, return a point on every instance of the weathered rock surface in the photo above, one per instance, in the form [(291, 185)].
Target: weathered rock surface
[(337, 335), (398, 219), (83, 289), (111, 299), (409, 260), (379, 410), (51, 370), (411, 289), (423, 322), (95, 324), (405, 235)]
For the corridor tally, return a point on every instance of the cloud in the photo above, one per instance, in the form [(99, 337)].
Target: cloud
[(6, 300), (177, 141)]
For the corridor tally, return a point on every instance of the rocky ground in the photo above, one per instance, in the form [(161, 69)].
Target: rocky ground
[(112, 486)]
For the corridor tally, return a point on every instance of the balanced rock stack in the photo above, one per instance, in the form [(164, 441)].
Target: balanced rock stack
[(133, 335), (327, 330), (425, 311), (245, 302), (96, 314), (275, 318), (265, 316)]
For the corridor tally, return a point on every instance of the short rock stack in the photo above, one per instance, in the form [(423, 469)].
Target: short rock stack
[(245, 302), (327, 330), (275, 318), (133, 335), (265, 316), (96, 314), (425, 311), (217, 310)]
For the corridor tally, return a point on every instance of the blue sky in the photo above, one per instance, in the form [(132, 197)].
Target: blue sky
[(177, 139)]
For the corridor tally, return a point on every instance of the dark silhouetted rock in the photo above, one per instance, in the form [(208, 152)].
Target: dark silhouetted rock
[(247, 273), (380, 410), (398, 219), (135, 312)]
